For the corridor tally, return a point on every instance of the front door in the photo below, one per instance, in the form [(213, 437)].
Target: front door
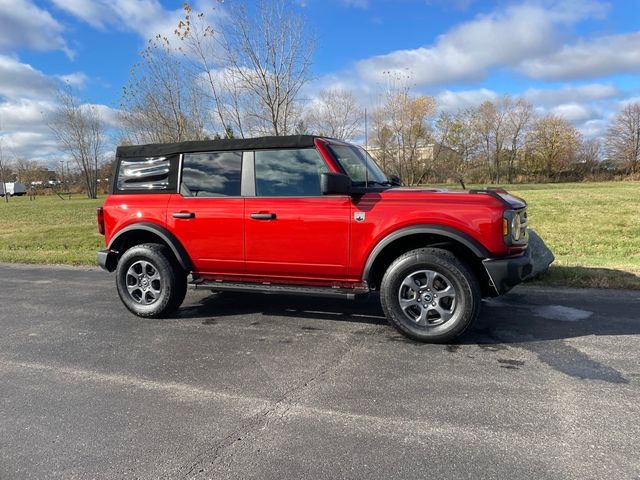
[(207, 213), (292, 231)]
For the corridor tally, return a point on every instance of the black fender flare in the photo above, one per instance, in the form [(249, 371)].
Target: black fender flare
[(451, 233), (167, 237)]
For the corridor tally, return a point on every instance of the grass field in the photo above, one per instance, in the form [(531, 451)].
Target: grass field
[(592, 228), (49, 230)]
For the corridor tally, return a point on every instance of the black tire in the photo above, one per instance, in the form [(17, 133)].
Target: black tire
[(439, 320), (166, 284)]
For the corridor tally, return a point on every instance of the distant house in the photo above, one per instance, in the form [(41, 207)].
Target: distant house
[(426, 153)]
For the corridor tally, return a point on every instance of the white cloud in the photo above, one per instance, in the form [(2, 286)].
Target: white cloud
[(597, 57), (572, 93), (147, 18), (75, 80), (27, 99), (25, 115), (25, 25), (596, 128), (110, 116), (630, 100), (469, 50), (449, 101), (575, 112), (26, 133), (39, 146), (19, 80)]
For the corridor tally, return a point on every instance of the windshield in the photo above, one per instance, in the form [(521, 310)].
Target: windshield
[(358, 164)]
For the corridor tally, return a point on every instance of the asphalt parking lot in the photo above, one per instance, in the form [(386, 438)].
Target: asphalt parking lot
[(547, 385)]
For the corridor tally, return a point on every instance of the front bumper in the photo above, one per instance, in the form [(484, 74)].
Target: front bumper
[(107, 260), (505, 273)]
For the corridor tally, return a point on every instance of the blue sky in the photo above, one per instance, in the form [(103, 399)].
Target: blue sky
[(576, 58)]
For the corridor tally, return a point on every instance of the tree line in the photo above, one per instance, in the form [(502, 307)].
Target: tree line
[(246, 76), (501, 141)]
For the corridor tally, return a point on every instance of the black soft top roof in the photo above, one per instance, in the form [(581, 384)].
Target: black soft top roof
[(258, 143)]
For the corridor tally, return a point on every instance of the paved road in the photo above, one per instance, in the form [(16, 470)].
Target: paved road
[(249, 386)]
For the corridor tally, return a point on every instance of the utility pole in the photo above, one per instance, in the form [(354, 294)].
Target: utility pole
[(2, 179), (366, 132)]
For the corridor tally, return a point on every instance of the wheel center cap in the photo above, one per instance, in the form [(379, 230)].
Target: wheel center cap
[(145, 282), (427, 297)]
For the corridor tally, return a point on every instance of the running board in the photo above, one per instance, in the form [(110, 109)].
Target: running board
[(279, 289)]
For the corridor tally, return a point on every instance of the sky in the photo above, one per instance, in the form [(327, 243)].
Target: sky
[(579, 59)]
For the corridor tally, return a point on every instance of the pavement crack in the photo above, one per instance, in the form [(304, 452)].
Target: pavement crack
[(222, 452)]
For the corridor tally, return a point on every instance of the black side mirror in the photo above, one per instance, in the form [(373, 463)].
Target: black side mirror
[(395, 181), (335, 183)]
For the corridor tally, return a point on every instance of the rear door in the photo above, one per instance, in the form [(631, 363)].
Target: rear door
[(292, 231), (207, 213)]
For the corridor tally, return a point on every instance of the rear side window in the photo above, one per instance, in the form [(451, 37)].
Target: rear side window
[(147, 174), (212, 174), (288, 173)]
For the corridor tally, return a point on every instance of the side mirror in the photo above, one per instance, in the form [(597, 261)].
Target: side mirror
[(395, 181), (335, 183)]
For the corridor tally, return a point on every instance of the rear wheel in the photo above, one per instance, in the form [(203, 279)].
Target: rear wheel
[(430, 296), (150, 282)]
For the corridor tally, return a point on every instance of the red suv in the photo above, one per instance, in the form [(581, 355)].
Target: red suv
[(306, 215)]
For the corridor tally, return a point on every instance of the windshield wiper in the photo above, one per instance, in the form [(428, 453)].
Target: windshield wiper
[(372, 182)]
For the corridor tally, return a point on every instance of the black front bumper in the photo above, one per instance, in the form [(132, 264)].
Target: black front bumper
[(505, 273), (107, 260)]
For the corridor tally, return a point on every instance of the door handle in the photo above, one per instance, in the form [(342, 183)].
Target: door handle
[(263, 216), (184, 215)]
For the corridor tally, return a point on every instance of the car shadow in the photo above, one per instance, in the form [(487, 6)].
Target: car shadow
[(517, 317), (225, 304)]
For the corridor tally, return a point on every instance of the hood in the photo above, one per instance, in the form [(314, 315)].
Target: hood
[(511, 201)]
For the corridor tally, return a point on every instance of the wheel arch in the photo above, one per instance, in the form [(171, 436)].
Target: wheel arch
[(140, 233), (467, 249)]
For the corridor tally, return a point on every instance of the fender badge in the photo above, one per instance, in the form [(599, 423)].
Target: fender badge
[(359, 216)]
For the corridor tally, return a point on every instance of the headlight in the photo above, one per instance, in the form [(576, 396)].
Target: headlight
[(516, 227)]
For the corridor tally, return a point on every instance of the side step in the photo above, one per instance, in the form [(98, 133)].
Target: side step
[(274, 288)]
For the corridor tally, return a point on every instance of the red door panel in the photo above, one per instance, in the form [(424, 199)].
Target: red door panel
[(211, 230), (297, 238)]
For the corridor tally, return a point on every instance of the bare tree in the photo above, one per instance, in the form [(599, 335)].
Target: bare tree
[(456, 132), (28, 171), (552, 144), (492, 126), (205, 58), (589, 157), (403, 122), (335, 113), (270, 51), (239, 77), (623, 138), (161, 102), (80, 134), (520, 114), (483, 125)]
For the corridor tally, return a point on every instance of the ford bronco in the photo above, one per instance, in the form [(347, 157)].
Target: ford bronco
[(306, 215)]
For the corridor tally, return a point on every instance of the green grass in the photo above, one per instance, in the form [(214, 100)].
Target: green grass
[(592, 228), (49, 230)]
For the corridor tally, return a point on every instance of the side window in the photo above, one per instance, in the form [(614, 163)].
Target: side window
[(212, 174), (288, 173), (146, 174)]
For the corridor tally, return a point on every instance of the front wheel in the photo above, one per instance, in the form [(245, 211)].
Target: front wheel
[(430, 296), (150, 283)]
